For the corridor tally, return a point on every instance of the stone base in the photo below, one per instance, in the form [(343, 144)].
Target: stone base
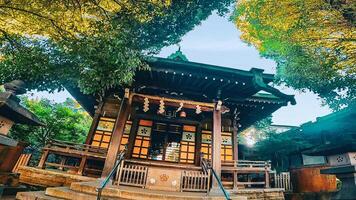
[(87, 191)]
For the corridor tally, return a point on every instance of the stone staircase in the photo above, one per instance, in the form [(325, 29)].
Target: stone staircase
[(87, 191)]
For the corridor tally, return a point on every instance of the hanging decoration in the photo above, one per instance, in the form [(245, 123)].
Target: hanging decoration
[(181, 104), (161, 107), (182, 114), (198, 110), (146, 105)]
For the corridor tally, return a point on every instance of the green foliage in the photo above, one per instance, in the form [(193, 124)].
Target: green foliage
[(277, 147), (105, 46), (64, 121), (312, 41)]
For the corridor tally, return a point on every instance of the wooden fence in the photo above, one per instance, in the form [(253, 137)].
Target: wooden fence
[(195, 181), (282, 180), (132, 175)]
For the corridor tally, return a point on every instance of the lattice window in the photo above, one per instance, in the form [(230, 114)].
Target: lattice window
[(226, 146), (187, 144), (125, 136), (142, 140), (103, 132)]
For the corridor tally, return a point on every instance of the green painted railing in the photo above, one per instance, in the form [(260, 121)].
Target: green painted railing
[(206, 166), (103, 184)]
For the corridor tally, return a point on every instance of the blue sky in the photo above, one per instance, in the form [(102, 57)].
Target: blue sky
[(216, 41)]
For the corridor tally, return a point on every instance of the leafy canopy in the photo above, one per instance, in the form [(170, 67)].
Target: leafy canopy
[(96, 45), (312, 41)]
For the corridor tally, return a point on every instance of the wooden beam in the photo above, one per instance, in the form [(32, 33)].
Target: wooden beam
[(114, 146), (207, 107), (216, 147)]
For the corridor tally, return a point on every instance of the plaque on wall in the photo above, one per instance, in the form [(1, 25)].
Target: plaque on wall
[(188, 136), (206, 138), (127, 128), (144, 131), (5, 125), (226, 140), (105, 126)]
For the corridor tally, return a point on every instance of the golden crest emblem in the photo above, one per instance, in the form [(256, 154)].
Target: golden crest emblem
[(164, 177)]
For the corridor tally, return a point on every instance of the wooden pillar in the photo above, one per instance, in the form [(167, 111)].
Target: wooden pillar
[(267, 185), (63, 162), (198, 145), (83, 161), (94, 123), (216, 147), (116, 138), (132, 137), (42, 163), (235, 153)]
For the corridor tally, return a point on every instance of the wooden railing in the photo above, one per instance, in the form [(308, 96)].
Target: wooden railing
[(195, 181), (236, 167), (68, 149), (23, 160), (132, 175), (282, 180)]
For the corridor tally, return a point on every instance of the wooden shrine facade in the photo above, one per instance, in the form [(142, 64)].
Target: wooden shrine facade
[(173, 116)]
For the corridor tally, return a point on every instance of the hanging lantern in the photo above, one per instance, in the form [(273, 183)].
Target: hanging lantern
[(182, 114), (198, 109), (161, 107), (146, 105)]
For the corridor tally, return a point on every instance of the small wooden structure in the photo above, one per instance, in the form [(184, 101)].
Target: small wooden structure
[(171, 118), (12, 112)]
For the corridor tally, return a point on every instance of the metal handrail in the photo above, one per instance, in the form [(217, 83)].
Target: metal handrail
[(226, 194), (206, 165), (119, 160)]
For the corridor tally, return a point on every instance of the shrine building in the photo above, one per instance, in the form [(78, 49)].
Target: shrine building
[(174, 129)]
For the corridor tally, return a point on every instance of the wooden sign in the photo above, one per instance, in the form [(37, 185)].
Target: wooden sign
[(5, 125)]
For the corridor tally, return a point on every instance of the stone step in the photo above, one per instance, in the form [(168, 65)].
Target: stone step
[(139, 193), (67, 193), (39, 195)]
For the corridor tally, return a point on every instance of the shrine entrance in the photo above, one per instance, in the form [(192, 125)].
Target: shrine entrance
[(165, 142)]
